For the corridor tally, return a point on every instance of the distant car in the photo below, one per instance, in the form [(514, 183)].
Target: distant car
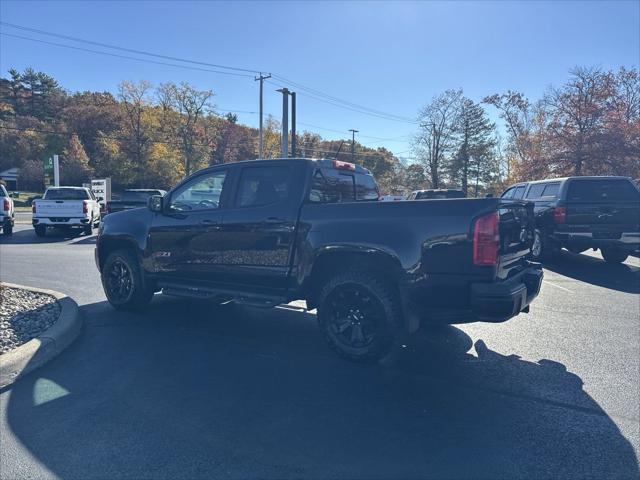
[(391, 198), (66, 207), (436, 193), (7, 212), (132, 198), (578, 213)]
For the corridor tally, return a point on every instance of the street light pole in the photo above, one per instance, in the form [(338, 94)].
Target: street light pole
[(261, 78), (353, 143), (294, 142), (284, 143)]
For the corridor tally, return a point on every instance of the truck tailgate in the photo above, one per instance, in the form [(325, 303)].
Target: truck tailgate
[(517, 227), (59, 208)]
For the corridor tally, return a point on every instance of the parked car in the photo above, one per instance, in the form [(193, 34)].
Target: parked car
[(266, 232), (436, 193), (391, 198), (66, 207), (578, 213), (132, 198), (7, 212)]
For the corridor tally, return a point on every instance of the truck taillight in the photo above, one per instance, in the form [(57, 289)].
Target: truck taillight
[(486, 240), (560, 214), (340, 165), (85, 207), (33, 207), (7, 205)]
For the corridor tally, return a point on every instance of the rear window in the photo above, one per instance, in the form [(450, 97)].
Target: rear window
[(3, 192), (366, 187), (602, 190), (66, 194), (138, 196)]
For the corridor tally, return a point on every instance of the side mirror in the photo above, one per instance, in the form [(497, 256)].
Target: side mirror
[(155, 203), (489, 195)]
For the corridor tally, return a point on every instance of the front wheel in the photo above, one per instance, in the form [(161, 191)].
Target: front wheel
[(612, 255), (123, 282), (359, 315)]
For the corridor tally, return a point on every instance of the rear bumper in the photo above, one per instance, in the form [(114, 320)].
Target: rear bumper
[(498, 302), (61, 221), (625, 240), (471, 302)]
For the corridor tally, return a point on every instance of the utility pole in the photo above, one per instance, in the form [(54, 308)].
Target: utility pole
[(284, 143), (353, 143), (293, 125), (261, 78)]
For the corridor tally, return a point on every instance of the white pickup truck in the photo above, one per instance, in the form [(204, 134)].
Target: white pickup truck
[(7, 212), (65, 207)]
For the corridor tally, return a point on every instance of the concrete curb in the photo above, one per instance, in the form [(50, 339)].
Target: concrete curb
[(38, 351)]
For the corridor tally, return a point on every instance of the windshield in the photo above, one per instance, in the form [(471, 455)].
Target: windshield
[(66, 194)]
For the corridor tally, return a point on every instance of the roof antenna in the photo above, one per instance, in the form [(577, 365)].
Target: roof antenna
[(339, 148)]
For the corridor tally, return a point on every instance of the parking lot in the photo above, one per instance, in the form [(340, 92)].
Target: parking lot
[(192, 390)]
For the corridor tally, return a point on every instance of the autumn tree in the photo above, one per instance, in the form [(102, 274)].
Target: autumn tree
[(74, 164), (190, 105), (136, 131)]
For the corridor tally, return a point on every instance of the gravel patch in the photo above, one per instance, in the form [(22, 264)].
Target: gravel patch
[(24, 315)]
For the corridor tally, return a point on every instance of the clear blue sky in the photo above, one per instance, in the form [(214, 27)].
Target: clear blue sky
[(391, 56)]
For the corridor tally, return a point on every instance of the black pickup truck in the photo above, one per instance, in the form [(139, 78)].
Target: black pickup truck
[(578, 213), (267, 232)]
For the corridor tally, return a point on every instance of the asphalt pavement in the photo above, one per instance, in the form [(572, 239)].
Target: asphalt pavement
[(191, 390)]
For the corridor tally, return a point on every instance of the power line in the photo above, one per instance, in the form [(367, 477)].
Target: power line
[(311, 93), (336, 99), (124, 49), (123, 56)]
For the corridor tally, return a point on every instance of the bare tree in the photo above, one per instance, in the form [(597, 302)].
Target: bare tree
[(436, 137), (134, 99), (191, 105)]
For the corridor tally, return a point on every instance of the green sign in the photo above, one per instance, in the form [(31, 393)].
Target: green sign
[(48, 171)]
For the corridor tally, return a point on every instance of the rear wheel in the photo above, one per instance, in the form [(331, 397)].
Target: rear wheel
[(124, 283), (7, 229), (612, 255), (542, 249), (359, 315), (41, 230)]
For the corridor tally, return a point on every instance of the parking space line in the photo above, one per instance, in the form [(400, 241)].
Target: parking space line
[(558, 286)]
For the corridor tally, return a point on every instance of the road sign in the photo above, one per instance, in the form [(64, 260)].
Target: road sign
[(48, 172)]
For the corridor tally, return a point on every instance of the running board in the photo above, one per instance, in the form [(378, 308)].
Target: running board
[(253, 300)]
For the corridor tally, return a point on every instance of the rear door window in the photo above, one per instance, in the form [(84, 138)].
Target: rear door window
[(602, 191), (260, 186)]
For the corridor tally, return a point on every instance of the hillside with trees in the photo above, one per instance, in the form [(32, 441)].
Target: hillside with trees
[(152, 136)]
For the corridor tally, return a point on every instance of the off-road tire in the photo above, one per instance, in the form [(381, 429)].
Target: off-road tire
[(132, 298), (385, 325)]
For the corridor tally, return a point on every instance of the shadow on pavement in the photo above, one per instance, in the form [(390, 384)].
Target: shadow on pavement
[(28, 236), (621, 277), (191, 390)]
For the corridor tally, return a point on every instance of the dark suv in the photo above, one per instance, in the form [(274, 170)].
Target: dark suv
[(578, 213)]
